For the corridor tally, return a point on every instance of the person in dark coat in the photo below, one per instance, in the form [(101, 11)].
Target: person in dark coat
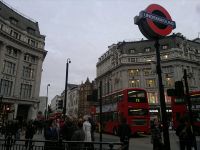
[(124, 132), (184, 132), (29, 133), (78, 135), (50, 134), (156, 137), (68, 129)]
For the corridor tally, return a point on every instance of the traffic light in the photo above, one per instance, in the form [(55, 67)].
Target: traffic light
[(179, 89)]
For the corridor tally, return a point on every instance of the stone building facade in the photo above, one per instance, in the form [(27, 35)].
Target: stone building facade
[(133, 64), (72, 99), (72, 102), (56, 104), (21, 56), (84, 104)]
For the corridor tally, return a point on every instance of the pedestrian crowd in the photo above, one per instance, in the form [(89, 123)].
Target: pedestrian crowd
[(68, 129), (184, 131)]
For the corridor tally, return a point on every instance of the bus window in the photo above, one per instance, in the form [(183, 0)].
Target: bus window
[(115, 116), (136, 96), (118, 97), (137, 112)]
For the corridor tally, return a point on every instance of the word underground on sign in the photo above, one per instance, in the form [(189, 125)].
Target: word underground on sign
[(155, 22)]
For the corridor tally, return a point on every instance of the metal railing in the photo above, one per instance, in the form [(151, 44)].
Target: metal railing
[(11, 144)]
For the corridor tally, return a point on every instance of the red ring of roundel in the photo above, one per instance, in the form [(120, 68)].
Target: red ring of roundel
[(154, 28)]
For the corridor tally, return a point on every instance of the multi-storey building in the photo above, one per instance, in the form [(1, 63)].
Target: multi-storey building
[(84, 104), (57, 104), (21, 56), (133, 64), (42, 105), (72, 101)]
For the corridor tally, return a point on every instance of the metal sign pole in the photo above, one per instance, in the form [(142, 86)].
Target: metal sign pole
[(162, 99)]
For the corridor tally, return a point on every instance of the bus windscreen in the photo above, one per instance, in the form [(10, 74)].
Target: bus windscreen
[(137, 96)]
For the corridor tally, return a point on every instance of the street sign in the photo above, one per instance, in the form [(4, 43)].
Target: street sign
[(155, 22)]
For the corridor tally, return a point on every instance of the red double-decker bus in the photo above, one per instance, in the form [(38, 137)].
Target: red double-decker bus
[(180, 109), (131, 103)]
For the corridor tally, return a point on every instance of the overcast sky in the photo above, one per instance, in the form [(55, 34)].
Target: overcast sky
[(82, 30)]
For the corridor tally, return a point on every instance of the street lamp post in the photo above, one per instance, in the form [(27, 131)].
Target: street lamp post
[(66, 82), (47, 102)]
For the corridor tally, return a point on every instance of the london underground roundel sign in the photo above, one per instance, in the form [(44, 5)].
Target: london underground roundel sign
[(155, 22)]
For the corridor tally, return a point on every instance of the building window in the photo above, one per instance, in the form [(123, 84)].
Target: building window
[(32, 43), (28, 72), (147, 71), (11, 51), (148, 59), (167, 69), (13, 20), (14, 52), (134, 83), (132, 59), (31, 30), (164, 47), (30, 58), (169, 81), (15, 34), (131, 51), (6, 87), (26, 57), (25, 91), (147, 49), (11, 31), (150, 83), (165, 56), (133, 72), (152, 98), (9, 67)]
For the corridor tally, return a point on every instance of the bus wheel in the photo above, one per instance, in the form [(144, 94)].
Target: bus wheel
[(115, 131)]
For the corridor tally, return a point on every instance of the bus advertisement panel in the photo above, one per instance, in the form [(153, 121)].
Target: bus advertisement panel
[(130, 103)]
